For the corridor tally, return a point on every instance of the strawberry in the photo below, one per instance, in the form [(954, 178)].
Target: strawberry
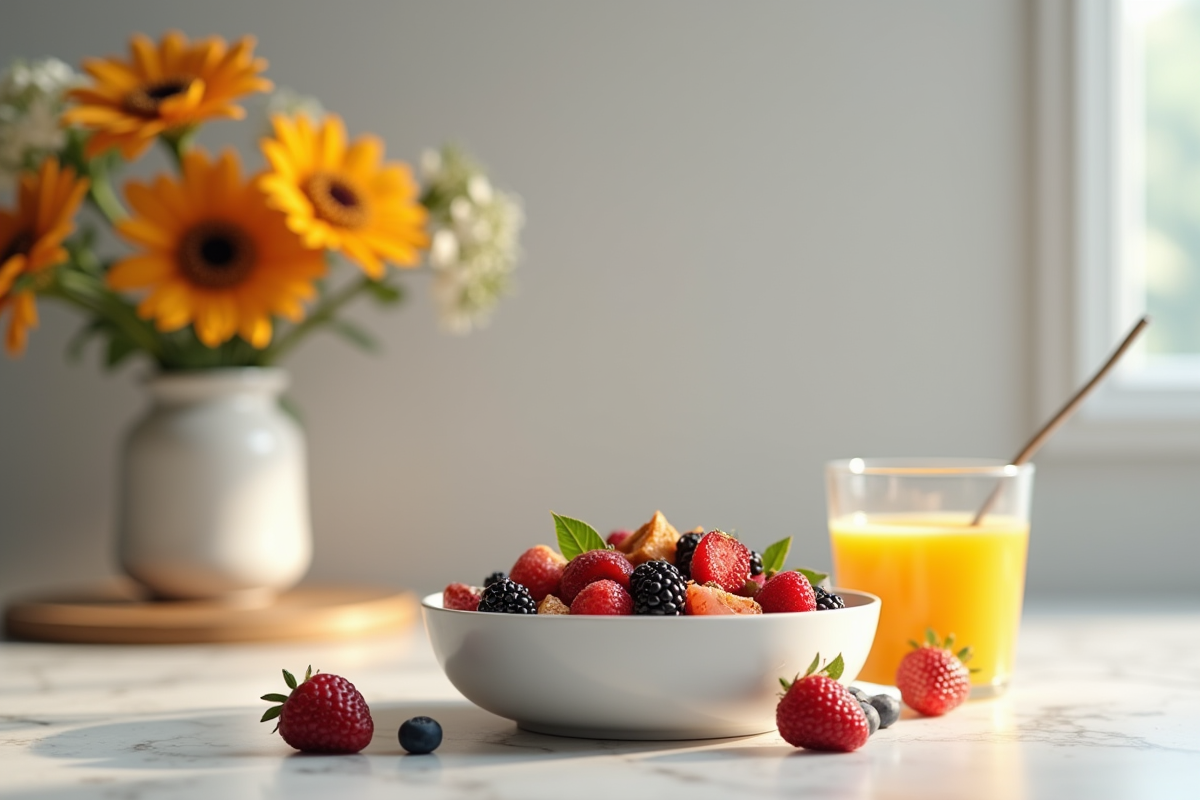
[(707, 601), (602, 597), (616, 537), (787, 591), (818, 713), (594, 565), (721, 559), (461, 597), (539, 569), (323, 714), (933, 679)]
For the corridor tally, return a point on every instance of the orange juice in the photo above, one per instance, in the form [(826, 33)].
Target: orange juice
[(935, 570)]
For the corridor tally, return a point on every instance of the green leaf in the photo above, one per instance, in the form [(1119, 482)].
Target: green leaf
[(308, 673), (835, 668), (119, 349), (931, 637), (773, 557), (275, 698), (271, 713), (813, 576), (816, 662), (385, 293), (289, 679), (575, 537), (354, 334)]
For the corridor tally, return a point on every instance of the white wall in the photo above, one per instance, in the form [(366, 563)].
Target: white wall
[(760, 236)]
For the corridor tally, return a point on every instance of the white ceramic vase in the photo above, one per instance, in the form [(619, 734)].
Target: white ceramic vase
[(214, 489)]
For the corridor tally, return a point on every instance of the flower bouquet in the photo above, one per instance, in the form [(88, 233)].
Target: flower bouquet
[(224, 269), (223, 273)]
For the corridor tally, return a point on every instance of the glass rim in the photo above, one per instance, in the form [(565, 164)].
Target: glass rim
[(928, 467)]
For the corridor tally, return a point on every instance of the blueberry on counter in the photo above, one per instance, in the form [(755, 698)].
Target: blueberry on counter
[(859, 694), (888, 708), (872, 717), (420, 735)]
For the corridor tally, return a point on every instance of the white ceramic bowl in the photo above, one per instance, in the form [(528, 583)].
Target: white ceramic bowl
[(642, 677)]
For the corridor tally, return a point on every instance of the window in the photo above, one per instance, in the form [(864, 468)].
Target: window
[(1117, 217)]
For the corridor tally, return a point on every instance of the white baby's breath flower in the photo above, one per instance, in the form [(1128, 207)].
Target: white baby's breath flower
[(32, 95), (289, 103), (431, 165), (475, 243)]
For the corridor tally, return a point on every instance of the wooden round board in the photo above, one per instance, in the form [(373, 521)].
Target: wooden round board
[(117, 614)]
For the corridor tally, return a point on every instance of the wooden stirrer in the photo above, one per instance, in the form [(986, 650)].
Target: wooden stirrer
[(1064, 413)]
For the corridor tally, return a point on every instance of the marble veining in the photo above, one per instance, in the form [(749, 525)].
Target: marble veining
[(1091, 714)]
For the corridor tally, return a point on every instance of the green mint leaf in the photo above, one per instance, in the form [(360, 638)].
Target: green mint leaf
[(575, 537), (774, 556), (272, 713), (813, 576), (275, 698), (835, 668), (289, 679), (813, 666)]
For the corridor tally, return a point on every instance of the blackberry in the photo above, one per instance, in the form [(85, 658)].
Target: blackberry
[(658, 589), (756, 565), (507, 597), (684, 549), (495, 577), (827, 601)]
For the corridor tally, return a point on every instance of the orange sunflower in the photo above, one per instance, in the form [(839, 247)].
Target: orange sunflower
[(340, 196), (163, 88), (213, 254), (31, 239)]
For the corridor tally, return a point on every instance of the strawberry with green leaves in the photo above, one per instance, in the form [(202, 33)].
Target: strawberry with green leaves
[(933, 679), (324, 713), (818, 713)]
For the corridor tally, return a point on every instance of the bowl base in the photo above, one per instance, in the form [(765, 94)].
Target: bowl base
[(640, 735)]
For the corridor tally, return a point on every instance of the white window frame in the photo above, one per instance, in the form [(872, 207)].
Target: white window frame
[(1079, 216)]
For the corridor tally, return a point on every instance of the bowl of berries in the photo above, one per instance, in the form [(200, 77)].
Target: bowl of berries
[(648, 635)]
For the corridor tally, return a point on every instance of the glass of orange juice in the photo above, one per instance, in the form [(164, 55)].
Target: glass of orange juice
[(911, 531)]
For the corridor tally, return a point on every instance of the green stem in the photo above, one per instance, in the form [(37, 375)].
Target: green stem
[(102, 195), (177, 142), (85, 292), (323, 313)]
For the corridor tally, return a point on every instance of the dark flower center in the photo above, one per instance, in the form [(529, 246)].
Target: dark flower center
[(145, 100), (216, 255), (19, 246), (336, 200)]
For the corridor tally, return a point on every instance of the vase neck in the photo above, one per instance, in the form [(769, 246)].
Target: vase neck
[(198, 386)]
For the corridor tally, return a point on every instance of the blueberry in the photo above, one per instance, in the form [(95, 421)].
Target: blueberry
[(420, 735), (859, 694), (872, 718), (888, 708)]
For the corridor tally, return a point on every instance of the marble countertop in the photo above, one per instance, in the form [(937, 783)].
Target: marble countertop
[(1103, 706)]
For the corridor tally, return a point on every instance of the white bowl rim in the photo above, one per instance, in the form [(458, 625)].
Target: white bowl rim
[(434, 603)]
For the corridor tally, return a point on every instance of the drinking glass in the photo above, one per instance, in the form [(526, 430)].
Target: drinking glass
[(943, 543)]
